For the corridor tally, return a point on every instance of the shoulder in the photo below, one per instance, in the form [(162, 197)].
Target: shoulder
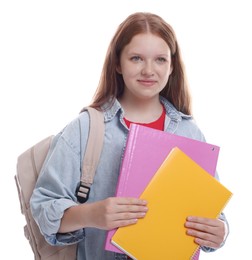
[(189, 128), (184, 125), (74, 133), (172, 112)]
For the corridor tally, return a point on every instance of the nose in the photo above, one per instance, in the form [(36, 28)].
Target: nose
[(147, 69)]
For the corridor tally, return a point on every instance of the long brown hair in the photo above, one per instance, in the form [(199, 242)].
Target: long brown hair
[(111, 84)]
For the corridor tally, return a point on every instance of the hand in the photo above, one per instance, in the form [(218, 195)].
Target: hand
[(207, 232), (116, 212)]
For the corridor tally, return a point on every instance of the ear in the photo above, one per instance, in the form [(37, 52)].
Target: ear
[(118, 69), (171, 69)]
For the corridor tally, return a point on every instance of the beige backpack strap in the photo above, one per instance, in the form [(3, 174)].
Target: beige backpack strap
[(92, 154)]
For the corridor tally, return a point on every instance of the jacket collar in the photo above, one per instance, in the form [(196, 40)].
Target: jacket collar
[(171, 112)]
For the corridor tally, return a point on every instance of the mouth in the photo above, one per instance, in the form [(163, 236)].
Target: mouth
[(146, 82)]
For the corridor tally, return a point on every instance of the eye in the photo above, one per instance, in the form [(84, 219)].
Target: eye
[(161, 59), (135, 58)]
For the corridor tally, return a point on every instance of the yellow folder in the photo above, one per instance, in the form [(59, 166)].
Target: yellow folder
[(180, 188)]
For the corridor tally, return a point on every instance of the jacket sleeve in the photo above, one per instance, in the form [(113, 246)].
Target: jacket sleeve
[(57, 182)]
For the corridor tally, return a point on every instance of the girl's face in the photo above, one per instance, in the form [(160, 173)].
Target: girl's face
[(145, 65)]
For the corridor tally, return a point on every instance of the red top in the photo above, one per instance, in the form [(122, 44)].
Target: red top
[(158, 124)]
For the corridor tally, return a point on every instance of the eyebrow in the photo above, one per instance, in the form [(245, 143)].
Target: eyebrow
[(140, 54)]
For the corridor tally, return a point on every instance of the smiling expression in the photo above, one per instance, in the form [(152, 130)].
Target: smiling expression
[(145, 65)]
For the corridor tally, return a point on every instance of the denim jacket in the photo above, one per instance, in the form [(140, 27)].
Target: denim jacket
[(60, 175)]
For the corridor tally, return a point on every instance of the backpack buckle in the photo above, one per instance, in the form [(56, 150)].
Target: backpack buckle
[(82, 192)]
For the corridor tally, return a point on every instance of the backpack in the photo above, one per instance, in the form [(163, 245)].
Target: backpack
[(29, 164)]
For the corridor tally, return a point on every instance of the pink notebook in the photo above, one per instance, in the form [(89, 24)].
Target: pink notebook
[(145, 151)]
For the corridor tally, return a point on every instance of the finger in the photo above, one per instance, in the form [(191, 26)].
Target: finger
[(130, 215), (206, 221), (131, 208), (131, 201), (131, 205), (205, 239), (125, 219), (123, 223), (207, 243), (113, 206), (201, 227)]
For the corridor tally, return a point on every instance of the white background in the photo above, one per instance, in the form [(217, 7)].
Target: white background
[(51, 53)]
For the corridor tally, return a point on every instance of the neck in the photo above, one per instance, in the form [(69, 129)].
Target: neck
[(143, 111)]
